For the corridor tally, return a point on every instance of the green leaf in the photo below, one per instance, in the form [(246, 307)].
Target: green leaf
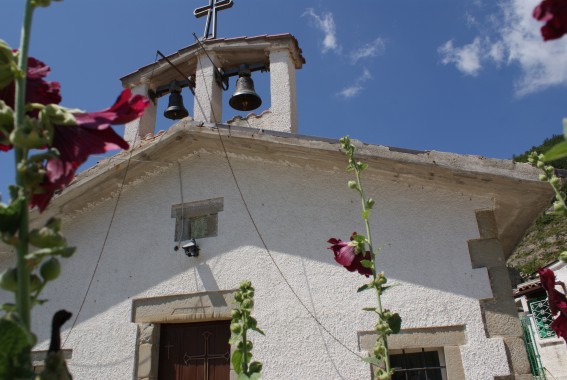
[(255, 376), (236, 360), (360, 239), (14, 337), (243, 376), (9, 307), (556, 152), (10, 216), (395, 323), (234, 339), (372, 360), (370, 309), (366, 263), (257, 330), (364, 287), (56, 251)]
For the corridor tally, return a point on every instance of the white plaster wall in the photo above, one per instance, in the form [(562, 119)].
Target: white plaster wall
[(423, 233)]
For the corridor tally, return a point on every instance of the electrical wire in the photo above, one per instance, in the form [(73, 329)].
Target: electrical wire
[(107, 234), (282, 275)]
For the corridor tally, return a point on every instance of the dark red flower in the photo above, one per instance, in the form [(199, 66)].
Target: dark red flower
[(37, 89), (91, 135), (557, 302), (554, 14), (346, 255)]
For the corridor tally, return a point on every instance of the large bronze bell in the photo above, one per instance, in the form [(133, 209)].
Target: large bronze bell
[(175, 109), (245, 98)]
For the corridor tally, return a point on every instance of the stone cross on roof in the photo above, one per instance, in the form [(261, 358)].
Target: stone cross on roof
[(211, 12)]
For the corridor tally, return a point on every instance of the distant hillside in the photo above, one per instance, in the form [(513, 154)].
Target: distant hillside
[(548, 236)]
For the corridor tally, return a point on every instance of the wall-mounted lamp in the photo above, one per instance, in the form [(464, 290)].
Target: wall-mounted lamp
[(191, 248)]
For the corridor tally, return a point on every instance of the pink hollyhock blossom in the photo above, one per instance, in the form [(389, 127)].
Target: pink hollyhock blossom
[(554, 14), (557, 302), (91, 135), (37, 89), (346, 255)]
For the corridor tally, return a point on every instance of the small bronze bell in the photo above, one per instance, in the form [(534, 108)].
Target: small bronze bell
[(245, 98), (175, 109)]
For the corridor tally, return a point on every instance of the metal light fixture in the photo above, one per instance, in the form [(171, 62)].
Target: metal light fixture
[(191, 248)]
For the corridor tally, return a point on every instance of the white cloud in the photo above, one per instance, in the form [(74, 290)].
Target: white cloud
[(326, 23), (368, 50), (358, 86), (514, 40), (466, 58)]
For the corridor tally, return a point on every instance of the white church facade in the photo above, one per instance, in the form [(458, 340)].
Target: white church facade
[(261, 201)]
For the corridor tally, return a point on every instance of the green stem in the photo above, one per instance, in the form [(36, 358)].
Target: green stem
[(245, 344), (373, 257), (23, 294)]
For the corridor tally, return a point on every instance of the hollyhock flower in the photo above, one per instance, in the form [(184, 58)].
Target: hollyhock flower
[(91, 135), (554, 14), (346, 255), (557, 302), (37, 90)]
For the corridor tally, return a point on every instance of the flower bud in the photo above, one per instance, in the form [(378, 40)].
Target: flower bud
[(235, 314), (35, 283), (46, 238), (249, 294), (555, 181), (9, 280), (542, 177), (557, 206), (8, 65), (563, 256), (245, 285), (235, 328), (50, 269), (351, 184), (255, 367)]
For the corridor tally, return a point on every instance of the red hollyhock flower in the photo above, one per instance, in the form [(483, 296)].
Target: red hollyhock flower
[(346, 256), (557, 302), (554, 14), (91, 135), (37, 89)]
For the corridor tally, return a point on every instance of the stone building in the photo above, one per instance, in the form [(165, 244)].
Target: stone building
[(261, 201)]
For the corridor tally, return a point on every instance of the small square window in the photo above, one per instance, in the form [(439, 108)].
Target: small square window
[(418, 364), (196, 220)]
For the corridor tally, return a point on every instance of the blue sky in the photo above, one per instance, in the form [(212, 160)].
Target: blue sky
[(471, 77)]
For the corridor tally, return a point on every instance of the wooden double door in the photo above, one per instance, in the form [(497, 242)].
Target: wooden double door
[(194, 351)]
